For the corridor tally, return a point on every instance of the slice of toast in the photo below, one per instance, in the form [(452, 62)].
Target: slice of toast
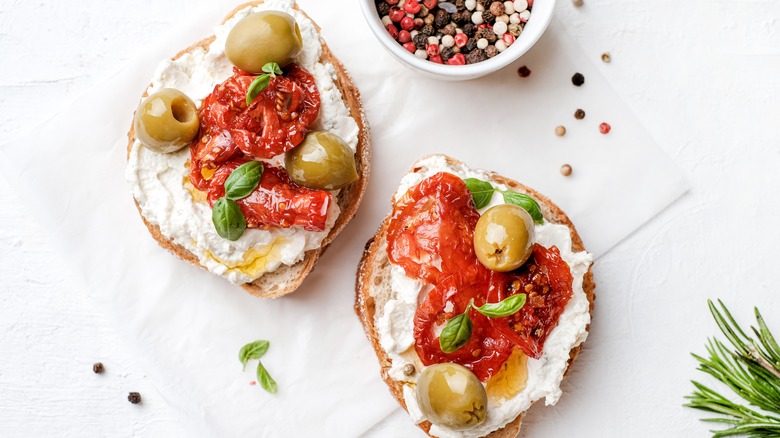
[(373, 290), (286, 279)]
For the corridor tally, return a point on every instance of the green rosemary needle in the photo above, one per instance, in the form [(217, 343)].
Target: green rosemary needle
[(751, 370)]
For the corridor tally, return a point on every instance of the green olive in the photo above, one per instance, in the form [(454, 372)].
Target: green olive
[(503, 237), (166, 121), (451, 396), (322, 161), (263, 37)]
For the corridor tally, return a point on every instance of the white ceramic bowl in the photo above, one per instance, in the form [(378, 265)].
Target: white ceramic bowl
[(541, 14)]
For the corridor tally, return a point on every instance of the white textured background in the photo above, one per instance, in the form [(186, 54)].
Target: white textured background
[(703, 75)]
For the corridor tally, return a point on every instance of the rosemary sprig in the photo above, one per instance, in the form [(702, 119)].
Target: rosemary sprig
[(751, 371)]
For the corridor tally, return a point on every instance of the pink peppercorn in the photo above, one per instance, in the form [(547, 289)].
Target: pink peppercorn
[(403, 36), (430, 4), (392, 2), (530, 4), (393, 31), (604, 128), (396, 15), (508, 39), (412, 6), (407, 23), (432, 50), (410, 47), (457, 59), (461, 39), (436, 59), (419, 23)]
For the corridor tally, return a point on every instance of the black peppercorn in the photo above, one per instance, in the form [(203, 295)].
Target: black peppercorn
[(442, 19), (469, 29), (383, 9), (476, 56), (487, 34), (134, 398), (427, 30), (471, 44), (462, 17), (449, 30), (523, 72), (487, 17), (579, 114), (491, 51), (98, 368), (460, 4), (446, 53), (578, 79), (420, 41)]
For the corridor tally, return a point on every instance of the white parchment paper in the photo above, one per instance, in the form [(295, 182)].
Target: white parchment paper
[(186, 325)]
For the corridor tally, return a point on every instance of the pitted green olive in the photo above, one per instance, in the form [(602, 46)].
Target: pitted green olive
[(166, 121), (263, 37), (450, 395), (322, 161), (503, 237)]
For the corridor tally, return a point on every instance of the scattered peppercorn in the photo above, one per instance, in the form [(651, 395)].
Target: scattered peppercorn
[(134, 398), (409, 369), (606, 57), (579, 114), (560, 130), (578, 79), (578, 3), (524, 72), (566, 170), (604, 128), (98, 368)]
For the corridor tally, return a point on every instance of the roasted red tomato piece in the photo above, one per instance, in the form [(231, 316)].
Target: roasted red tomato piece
[(431, 230), (277, 201), (547, 281), (487, 349)]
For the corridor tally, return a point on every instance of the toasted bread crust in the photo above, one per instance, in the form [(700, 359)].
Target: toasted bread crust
[(287, 279), (365, 306)]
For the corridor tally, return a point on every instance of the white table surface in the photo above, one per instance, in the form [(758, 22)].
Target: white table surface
[(701, 75)]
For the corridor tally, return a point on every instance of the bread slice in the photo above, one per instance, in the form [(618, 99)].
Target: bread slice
[(286, 279), (372, 289)]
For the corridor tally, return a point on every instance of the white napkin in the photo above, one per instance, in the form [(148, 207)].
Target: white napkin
[(187, 326)]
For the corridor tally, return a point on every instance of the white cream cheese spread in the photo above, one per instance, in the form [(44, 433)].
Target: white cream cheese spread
[(159, 182), (395, 324)]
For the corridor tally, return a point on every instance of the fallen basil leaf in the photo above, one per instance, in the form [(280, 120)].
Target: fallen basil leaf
[(509, 306), (253, 350), (456, 333), (228, 219), (265, 379), (256, 87), (528, 203), (481, 191), (243, 180), (272, 68)]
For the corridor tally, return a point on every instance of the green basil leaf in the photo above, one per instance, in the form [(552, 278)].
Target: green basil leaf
[(265, 379), (228, 219), (456, 333), (272, 69), (243, 180), (256, 87), (528, 203), (509, 306), (481, 191), (253, 350)]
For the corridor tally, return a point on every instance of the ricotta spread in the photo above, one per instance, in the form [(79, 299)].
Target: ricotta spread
[(160, 182), (395, 324)]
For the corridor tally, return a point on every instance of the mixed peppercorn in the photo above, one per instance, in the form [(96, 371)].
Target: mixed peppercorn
[(454, 32)]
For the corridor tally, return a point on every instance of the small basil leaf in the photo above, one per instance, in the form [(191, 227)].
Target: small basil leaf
[(481, 191), (272, 69), (528, 203), (253, 350), (243, 180), (509, 306), (228, 219), (256, 87), (265, 379), (456, 333)]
